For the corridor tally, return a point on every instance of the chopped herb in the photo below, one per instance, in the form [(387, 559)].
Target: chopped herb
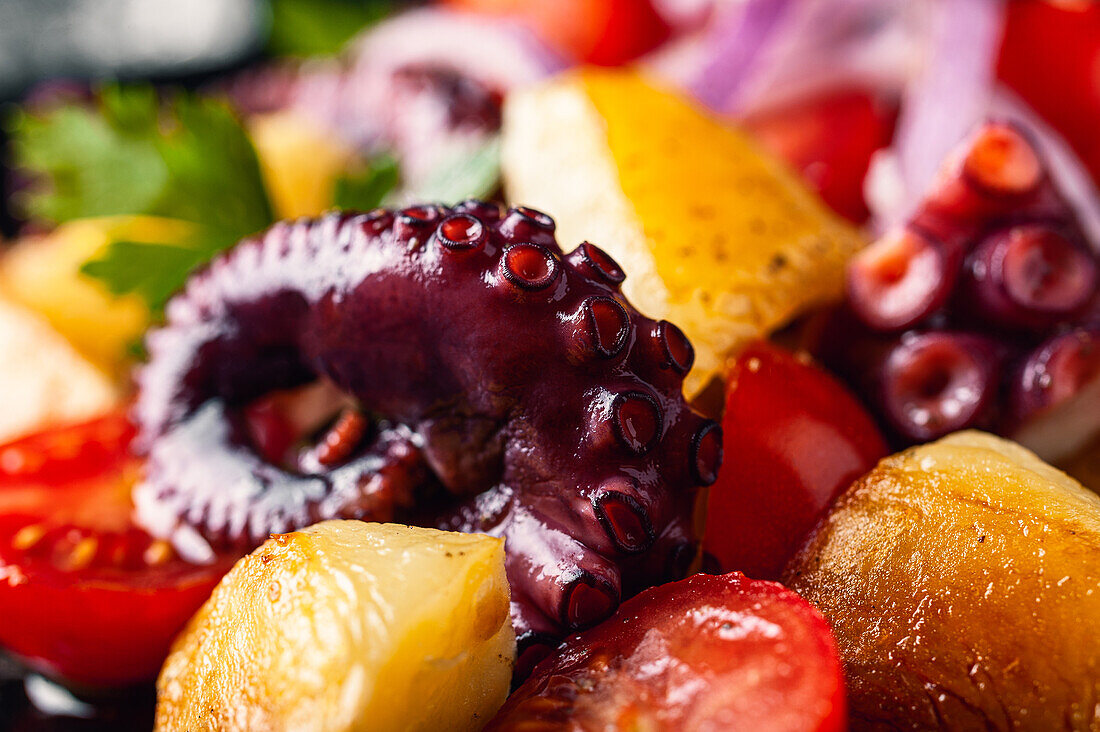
[(93, 161), (476, 175), (320, 27), (362, 191), (184, 157), (149, 270)]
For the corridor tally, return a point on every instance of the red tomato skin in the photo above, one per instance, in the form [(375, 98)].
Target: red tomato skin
[(97, 634), (601, 32), (830, 140), (794, 437), (58, 456), (1050, 55), (110, 623), (629, 29), (707, 652)]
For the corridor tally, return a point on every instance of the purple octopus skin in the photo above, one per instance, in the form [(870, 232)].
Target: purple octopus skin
[(943, 310), (512, 390)]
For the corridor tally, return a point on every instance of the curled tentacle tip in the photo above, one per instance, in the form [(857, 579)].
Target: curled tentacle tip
[(478, 404)]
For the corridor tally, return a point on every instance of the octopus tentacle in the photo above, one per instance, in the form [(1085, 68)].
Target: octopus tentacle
[(512, 391), (568, 580)]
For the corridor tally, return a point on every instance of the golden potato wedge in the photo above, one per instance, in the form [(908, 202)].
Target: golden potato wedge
[(300, 162), (962, 581), (713, 233), (43, 380), (348, 625), (43, 274)]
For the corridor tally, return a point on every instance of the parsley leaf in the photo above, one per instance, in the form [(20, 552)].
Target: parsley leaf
[(362, 191), (214, 177), (149, 270), (185, 157), (474, 175), (320, 27), (93, 164)]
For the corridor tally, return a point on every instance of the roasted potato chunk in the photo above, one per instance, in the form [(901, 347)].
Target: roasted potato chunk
[(962, 580), (347, 626)]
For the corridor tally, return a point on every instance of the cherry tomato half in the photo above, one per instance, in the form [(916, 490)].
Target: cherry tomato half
[(603, 32), (705, 653), (830, 139), (1050, 55), (794, 438), (85, 595)]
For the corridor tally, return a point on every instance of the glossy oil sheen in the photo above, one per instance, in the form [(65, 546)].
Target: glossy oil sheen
[(706, 653), (962, 580)]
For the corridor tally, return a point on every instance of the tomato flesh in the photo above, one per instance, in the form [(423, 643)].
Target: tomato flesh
[(707, 652), (86, 596), (1050, 56), (602, 32), (830, 140), (793, 439)]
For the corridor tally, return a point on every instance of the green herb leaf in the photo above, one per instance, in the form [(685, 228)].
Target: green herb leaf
[(152, 271), (187, 158), (92, 163), (320, 27), (214, 177), (367, 189), (475, 175)]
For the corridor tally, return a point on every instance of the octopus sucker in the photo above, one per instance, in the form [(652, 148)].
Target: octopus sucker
[(493, 383)]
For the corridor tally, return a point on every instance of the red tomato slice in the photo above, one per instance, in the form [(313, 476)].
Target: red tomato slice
[(85, 595), (705, 653), (830, 140), (604, 32), (794, 438), (1051, 56)]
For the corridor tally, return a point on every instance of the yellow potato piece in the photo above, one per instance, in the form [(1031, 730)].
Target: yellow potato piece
[(299, 162), (348, 626), (43, 273), (962, 581), (713, 233), (43, 380)]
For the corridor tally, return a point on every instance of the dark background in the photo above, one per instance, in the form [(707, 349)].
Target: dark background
[(187, 43)]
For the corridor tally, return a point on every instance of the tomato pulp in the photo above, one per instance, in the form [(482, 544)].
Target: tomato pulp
[(87, 596)]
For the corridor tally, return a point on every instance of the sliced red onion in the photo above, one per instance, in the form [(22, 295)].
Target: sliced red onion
[(754, 54), (949, 96), (357, 96), (740, 39), (686, 15), (424, 86), (498, 51), (872, 44)]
